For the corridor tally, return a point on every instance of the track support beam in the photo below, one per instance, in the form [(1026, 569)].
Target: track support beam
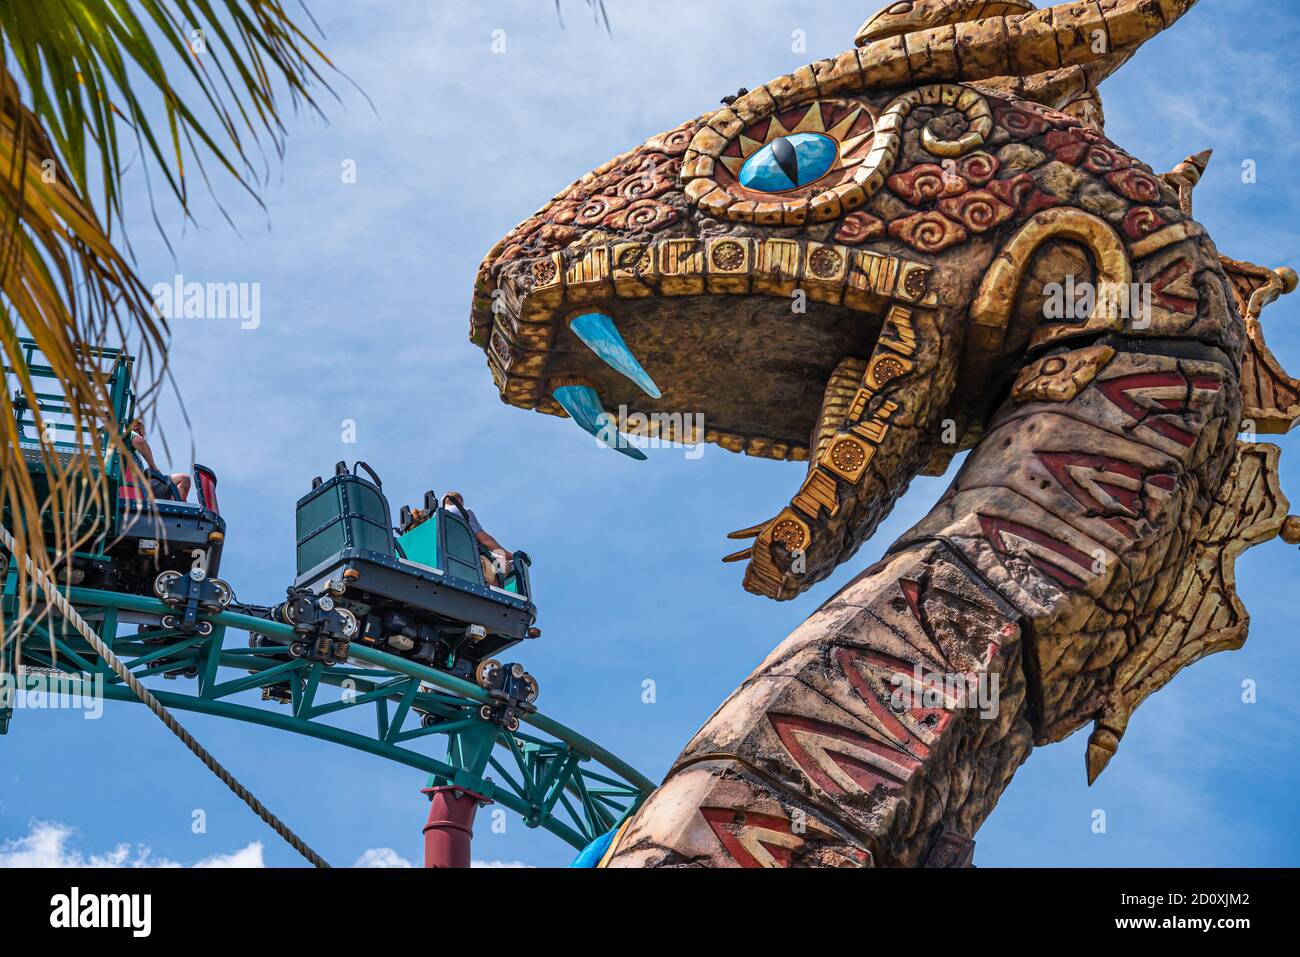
[(449, 828)]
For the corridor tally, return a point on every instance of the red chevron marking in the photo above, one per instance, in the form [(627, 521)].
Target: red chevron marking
[(1174, 277), (889, 667), (996, 528), (1126, 393), (755, 840), (841, 761)]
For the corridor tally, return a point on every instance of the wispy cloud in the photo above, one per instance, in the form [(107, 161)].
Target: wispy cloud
[(50, 844), (382, 857)]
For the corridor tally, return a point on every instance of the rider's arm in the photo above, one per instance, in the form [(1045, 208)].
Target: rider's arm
[(490, 543), (141, 445), (480, 533)]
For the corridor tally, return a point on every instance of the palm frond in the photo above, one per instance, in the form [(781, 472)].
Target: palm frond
[(95, 70), (599, 14), (84, 85)]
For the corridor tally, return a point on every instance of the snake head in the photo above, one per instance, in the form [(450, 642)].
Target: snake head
[(795, 275)]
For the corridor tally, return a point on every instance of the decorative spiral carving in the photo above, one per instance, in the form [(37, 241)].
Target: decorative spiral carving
[(970, 104), (674, 142), (1100, 159), (645, 214), (594, 210), (925, 182), (644, 186), (858, 227), (979, 211), (1021, 123), (929, 232), (1016, 191), (655, 176), (889, 130), (1135, 185), (977, 168), (1142, 221)]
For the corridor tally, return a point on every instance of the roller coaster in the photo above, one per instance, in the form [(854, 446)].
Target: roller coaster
[(404, 622)]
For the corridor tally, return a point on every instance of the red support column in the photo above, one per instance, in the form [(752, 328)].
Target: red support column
[(450, 827)]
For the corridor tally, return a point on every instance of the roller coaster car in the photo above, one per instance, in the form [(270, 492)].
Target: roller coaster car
[(131, 549), (154, 537), (419, 593)]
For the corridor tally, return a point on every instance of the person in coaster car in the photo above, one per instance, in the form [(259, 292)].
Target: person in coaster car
[(499, 565), (175, 486)]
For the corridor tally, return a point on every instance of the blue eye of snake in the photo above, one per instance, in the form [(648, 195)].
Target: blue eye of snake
[(789, 162)]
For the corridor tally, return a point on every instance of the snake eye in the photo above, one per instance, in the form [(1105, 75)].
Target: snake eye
[(789, 162)]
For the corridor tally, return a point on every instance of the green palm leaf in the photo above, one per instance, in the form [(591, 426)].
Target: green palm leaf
[(85, 87)]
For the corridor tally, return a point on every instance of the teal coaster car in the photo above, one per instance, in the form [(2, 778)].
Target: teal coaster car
[(141, 545), (417, 591)]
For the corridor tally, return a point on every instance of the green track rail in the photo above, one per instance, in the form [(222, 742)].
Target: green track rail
[(553, 777)]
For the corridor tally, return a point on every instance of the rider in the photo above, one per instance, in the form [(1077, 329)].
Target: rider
[(175, 487), (499, 565)]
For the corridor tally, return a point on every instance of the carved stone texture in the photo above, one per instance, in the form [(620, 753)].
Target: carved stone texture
[(733, 819), (952, 849), (888, 729), (1203, 613), (1272, 398), (1076, 510)]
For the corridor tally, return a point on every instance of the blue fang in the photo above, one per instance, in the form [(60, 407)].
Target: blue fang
[(584, 407), (600, 334)]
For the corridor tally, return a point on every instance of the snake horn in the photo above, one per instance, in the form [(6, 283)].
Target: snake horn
[(1024, 44)]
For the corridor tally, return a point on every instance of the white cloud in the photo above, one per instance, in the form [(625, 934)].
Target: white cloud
[(382, 857), (52, 844), (250, 856), (48, 844)]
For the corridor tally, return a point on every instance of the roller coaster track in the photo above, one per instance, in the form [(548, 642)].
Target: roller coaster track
[(550, 775)]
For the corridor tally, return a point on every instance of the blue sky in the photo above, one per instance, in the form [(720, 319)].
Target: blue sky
[(365, 292)]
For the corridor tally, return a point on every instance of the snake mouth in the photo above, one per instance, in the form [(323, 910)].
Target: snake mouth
[(774, 347), (725, 340)]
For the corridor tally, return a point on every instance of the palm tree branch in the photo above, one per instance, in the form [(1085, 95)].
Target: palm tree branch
[(71, 71)]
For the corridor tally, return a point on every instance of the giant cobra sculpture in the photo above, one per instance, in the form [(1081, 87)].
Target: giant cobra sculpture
[(862, 265)]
